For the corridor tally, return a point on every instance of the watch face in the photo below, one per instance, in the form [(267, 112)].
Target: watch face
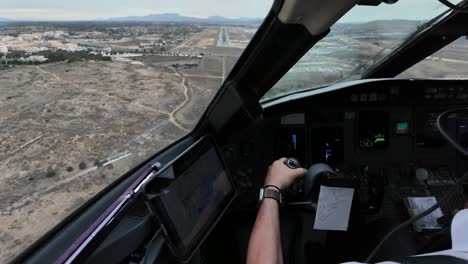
[(260, 198)]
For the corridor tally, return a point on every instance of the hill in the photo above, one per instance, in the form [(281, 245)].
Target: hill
[(174, 17)]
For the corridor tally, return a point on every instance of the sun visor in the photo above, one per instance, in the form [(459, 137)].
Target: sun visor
[(316, 15)]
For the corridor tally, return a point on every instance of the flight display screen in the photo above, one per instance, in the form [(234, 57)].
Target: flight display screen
[(373, 130), (427, 134), (402, 128), (190, 206), (327, 145), (291, 143)]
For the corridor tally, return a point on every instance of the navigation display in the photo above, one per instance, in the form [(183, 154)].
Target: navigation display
[(291, 143), (327, 145), (373, 130), (402, 128), (189, 207)]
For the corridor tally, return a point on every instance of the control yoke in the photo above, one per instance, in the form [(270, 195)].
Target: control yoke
[(310, 181), (318, 174)]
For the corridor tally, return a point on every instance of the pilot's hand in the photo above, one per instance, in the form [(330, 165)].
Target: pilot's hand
[(281, 176)]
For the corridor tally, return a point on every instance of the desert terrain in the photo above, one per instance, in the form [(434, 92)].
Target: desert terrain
[(70, 129)]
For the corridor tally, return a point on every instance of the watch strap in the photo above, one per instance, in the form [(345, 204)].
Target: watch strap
[(271, 194)]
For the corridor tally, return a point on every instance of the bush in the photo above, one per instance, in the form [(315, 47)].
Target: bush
[(16, 54), (82, 165), (51, 174)]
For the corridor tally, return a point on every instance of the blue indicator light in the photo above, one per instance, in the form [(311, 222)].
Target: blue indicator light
[(294, 140)]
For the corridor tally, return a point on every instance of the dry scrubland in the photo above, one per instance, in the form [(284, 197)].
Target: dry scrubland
[(63, 123)]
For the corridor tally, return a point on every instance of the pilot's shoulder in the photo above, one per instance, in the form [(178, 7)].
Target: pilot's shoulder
[(460, 231)]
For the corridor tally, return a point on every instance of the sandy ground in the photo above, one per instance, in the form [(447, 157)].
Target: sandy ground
[(61, 122)]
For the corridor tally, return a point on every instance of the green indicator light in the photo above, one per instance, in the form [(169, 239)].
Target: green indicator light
[(379, 138)]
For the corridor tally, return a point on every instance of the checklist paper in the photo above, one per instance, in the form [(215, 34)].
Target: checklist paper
[(334, 208), (421, 204)]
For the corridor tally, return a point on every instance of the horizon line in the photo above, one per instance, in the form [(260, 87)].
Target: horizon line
[(112, 19), (126, 16), (175, 21)]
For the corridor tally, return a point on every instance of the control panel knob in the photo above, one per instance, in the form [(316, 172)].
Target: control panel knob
[(422, 175), (292, 163)]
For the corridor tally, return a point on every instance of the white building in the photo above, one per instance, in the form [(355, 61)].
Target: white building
[(29, 37), (72, 47), (54, 44), (54, 34), (38, 49), (37, 58), (3, 49), (49, 34), (8, 39)]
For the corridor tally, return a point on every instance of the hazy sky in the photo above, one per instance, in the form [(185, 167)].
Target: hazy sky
[(93, 9)]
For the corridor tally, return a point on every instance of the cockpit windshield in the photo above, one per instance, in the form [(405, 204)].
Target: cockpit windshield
[(89, 90), (356, 43)]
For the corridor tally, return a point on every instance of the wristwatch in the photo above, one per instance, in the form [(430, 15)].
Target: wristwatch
[(271, 194)]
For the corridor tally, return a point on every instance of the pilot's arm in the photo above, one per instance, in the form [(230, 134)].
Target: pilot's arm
[(265, 240)]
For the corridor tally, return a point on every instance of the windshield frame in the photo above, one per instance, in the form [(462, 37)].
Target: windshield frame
[(359, 73)]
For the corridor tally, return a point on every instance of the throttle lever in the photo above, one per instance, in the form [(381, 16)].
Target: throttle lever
[(292, 163)]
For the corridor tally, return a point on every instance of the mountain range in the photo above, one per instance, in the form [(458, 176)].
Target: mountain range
[(173, 17), (166, 17)]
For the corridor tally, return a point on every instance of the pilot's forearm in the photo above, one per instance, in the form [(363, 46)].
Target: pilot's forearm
[(265, 240)]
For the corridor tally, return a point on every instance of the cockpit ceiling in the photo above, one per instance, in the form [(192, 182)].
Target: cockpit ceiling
[(316, 15)]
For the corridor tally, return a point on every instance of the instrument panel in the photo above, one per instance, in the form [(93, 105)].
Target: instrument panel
[(383, 133), (381, 122)]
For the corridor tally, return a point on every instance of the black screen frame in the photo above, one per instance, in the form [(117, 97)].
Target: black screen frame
[(154, 202)]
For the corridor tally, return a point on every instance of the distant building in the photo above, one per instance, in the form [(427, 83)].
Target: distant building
[(55, 34), (8, 38), (49, 34), (54, 44), (29, 37), (3, 49), (38, 49), (72, 47), (146, 44), (37, 58)]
